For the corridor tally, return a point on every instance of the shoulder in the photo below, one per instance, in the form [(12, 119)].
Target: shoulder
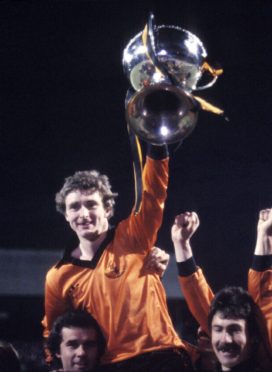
[(57, 273)]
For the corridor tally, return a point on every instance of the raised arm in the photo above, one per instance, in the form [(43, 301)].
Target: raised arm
[(141, 227), (260, 273), (194, 286)]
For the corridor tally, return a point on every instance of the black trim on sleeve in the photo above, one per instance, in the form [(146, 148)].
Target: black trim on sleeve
[(262, 263), (157, 152), (187, 267)]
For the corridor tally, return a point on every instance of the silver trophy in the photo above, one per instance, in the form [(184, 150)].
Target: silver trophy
[(165, 65)]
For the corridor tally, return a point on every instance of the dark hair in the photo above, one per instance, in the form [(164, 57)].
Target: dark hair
[(9, 359), (88, 181), (76, 318), (236, 303)]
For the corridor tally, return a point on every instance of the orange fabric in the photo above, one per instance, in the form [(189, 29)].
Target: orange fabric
[(198, 296), (128, 303), (260, 288)]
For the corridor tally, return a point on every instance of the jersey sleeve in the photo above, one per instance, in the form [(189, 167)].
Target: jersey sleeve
[(260, 288), (197, 293), (55, 304), (141, 227)]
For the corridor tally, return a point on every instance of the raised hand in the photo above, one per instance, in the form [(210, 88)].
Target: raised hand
[(264, 233), (184, 226), (182, 230)]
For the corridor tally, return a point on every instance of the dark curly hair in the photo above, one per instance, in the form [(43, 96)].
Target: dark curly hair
[(89, 181), (73, 318), (236, 303)]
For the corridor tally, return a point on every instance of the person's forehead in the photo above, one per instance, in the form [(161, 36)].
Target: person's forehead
[(82, 195), (219, 319), (78, 333)]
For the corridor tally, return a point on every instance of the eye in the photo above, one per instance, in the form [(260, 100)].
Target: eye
[(235, 329), (90, 344), (72, 344), (91, 204), (74, 206), (217, 329)]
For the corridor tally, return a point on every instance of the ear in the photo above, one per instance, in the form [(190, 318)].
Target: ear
[(65, 216), (108, 212), (58, 355)]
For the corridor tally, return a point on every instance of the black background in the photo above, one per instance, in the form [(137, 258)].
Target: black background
[(62, 109)]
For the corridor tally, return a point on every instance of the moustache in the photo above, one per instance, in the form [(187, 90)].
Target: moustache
[(226, 347)]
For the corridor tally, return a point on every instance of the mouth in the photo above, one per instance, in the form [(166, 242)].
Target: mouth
[(229, 354), (86, 225), (229, 351), (81, 366)]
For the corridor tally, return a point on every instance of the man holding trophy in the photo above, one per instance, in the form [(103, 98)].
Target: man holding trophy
[(105, 274)]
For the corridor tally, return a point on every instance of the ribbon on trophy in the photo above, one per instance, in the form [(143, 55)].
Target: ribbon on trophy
[(164, 65)]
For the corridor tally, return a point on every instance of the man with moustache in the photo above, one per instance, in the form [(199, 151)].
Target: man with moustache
[(235, 329), (232, 319)]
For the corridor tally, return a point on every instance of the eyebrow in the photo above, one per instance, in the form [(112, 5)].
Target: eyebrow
[(229, 326), (77, 342)]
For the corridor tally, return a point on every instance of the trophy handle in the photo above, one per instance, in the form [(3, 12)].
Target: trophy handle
[(214, 72), (208, 85)]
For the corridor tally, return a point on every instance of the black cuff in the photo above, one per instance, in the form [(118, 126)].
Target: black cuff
[(262, 263), (157, 152), (187, 267)]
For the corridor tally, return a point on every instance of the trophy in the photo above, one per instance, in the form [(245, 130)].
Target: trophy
[(164, 65)]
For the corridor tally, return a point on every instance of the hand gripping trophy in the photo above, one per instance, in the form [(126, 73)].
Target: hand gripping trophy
[(164, 65)]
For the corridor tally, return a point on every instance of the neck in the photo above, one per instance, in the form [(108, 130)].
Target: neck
[(87, 248)]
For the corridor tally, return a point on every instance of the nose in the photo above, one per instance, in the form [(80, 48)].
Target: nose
[(84, 212), (226, 337), (80, 350)]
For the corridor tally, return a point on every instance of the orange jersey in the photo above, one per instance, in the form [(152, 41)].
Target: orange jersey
[(260, 288), (128, 303), (199, 296)]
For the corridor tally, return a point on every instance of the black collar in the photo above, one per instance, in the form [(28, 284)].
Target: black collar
[(67, 258)]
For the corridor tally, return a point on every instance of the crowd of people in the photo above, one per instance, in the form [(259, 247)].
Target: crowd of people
[(105, 305)]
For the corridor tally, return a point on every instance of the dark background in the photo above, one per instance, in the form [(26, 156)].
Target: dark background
[(62, 109)]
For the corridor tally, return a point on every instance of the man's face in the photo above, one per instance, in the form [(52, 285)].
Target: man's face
[(86, 214), (230, 341), (78, 349)]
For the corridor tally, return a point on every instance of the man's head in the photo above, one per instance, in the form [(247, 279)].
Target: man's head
[(234, 326), (88, 182), (77, 341), (87, 202)]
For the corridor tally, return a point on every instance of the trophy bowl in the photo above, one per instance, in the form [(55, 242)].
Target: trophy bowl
[(161, 114), (180, 52)]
